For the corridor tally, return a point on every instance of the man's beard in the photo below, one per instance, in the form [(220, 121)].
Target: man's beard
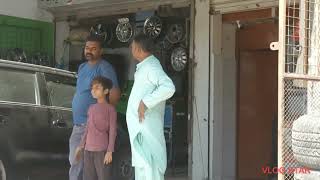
[(89, 56)]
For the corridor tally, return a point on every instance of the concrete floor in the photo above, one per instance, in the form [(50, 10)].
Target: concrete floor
[(63, 176), (180, 173), (39, 171), (177, 178)]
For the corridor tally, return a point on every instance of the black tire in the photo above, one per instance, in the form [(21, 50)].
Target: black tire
[(122, 166), (306, 141)]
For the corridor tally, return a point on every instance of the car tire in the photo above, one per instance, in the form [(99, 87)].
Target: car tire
[(311, 175), (122, 166), (306, 141)]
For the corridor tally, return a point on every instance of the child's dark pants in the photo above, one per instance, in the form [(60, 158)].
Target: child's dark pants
[(94, 168)]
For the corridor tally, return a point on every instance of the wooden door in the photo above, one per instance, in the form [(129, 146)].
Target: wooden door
[(257, 100)]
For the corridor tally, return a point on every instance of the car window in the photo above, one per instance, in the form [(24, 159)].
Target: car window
[(17, 86), (60, 91)]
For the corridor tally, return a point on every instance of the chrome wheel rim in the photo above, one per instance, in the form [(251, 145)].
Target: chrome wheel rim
[(179, 59), (124, 32), (175, 33), (103, 31), (152, 26)]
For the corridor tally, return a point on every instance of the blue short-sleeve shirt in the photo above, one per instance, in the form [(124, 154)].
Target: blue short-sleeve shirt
[(83, 98)]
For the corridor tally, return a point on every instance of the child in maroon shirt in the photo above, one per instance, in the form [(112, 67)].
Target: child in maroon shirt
[(100, 134)]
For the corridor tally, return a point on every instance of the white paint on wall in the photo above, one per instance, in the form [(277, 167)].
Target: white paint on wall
[(24, 9), (201, 88), (229, 102), (222, 101), (216, 102), (217, 110)]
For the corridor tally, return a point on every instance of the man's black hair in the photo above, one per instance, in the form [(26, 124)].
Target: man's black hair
[(145, 42), (105, 82), (95, 38)]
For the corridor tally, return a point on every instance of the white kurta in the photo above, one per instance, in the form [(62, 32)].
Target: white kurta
[(153, 87)]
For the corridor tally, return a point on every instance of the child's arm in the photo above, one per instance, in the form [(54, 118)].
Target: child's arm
[(113, 129)]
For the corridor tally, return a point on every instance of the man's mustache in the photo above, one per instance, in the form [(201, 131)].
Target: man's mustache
[(89, 54)]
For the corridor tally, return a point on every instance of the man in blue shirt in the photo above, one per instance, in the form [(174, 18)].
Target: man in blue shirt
[(95, 66)]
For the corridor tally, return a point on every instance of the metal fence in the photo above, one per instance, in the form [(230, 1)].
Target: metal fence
[(299, 72)]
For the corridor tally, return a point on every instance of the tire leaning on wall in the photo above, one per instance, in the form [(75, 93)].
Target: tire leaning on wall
[(306, 141)]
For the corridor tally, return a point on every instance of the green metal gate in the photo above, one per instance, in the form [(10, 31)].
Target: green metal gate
[(30, 35)]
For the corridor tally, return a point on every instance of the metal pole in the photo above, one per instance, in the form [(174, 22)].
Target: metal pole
[(281, 68), (306, 38)]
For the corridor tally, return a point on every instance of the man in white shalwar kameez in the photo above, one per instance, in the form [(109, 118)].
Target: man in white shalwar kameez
[(145, 112)]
